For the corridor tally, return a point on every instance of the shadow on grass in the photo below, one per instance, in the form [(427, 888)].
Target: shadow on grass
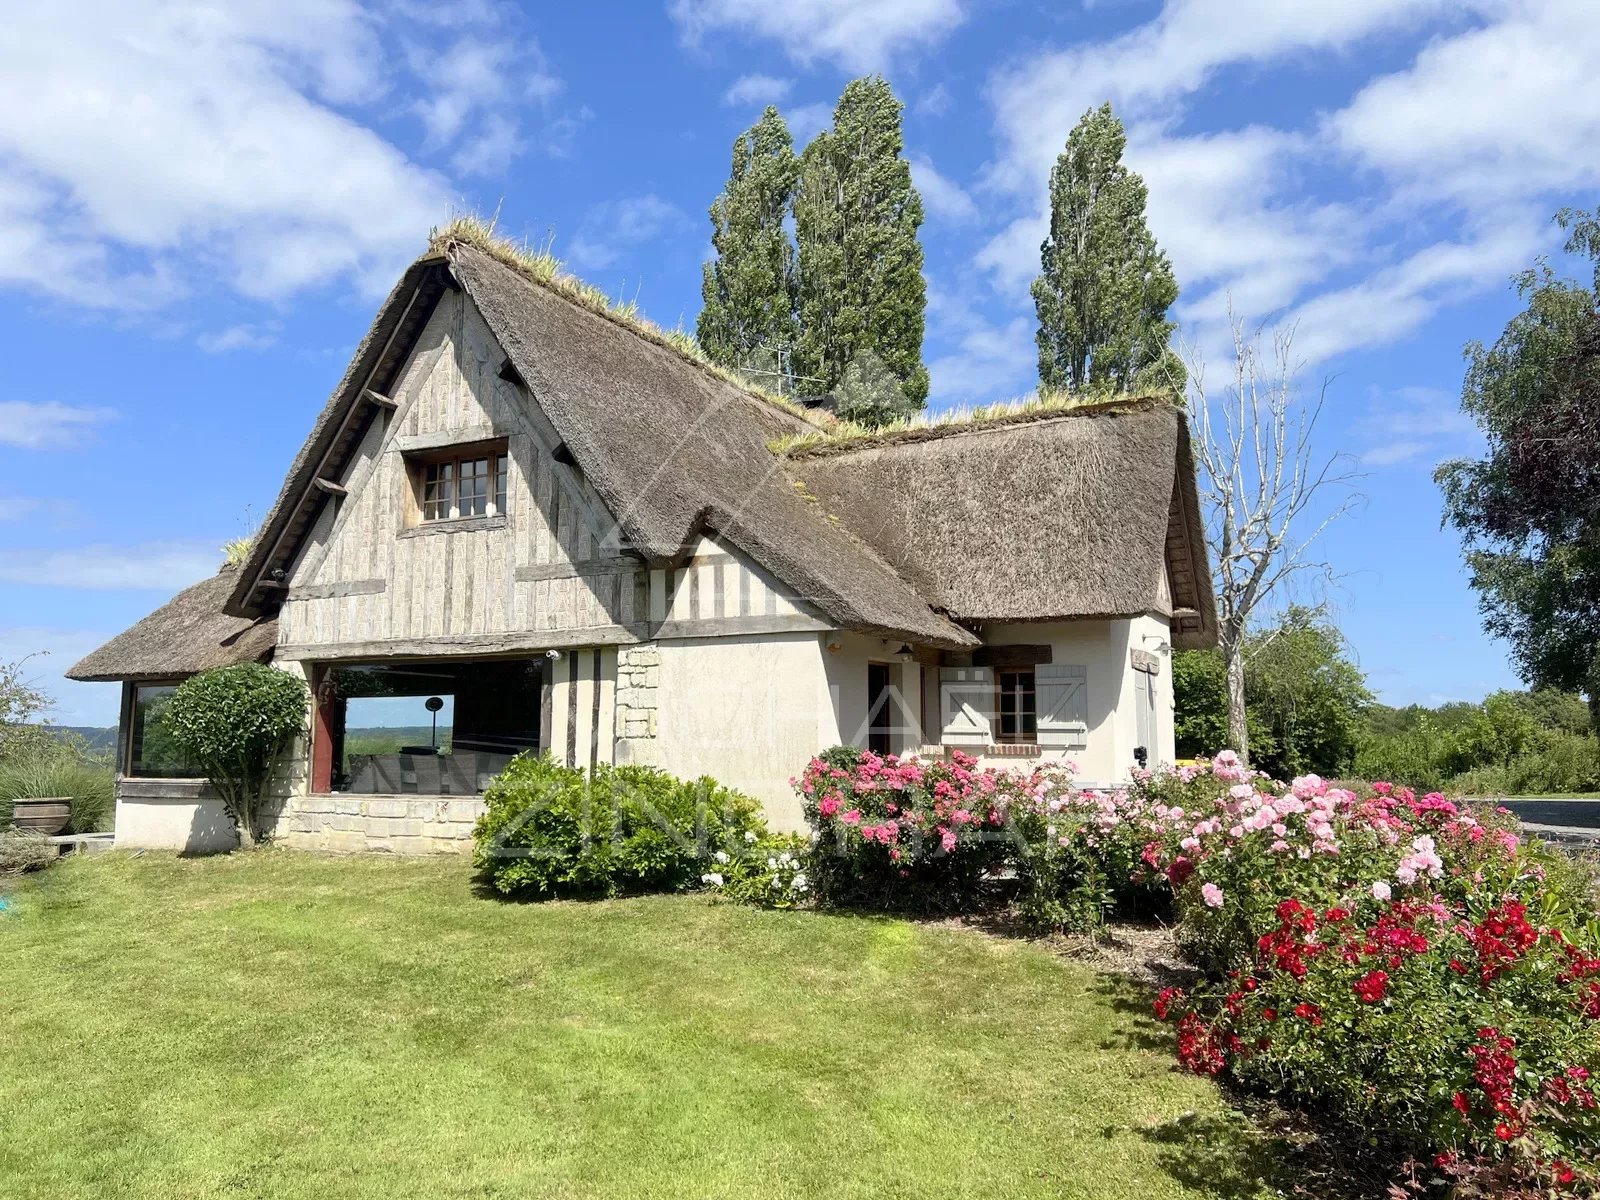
[(1140, 1030), (1221, 1155)]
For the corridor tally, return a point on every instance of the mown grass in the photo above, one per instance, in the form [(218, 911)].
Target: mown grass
[(280, 1024)]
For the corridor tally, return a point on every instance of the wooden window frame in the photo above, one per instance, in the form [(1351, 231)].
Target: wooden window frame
[(496, 492), (1021, 737)]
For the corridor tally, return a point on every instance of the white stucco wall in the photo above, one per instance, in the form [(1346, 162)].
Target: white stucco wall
[(1103, 649), (171, 814), (748, 711)]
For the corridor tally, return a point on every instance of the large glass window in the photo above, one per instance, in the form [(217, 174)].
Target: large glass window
[(152, 752), (431, 728)]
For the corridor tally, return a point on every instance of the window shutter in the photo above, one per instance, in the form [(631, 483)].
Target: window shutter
[(1063, 699), (966, 703)]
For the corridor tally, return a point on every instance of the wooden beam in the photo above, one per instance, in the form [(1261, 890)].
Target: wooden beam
[(594, 568), (1011, 656), (329, 486), (379, 399)]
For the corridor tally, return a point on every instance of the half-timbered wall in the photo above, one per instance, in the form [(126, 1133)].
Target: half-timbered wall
[(547, 572)]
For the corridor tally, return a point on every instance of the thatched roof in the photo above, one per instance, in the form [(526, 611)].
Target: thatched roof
[(1055, 514), (674, 449), (188, 633)]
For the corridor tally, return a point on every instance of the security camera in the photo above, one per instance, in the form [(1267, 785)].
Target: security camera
[(552, 654)]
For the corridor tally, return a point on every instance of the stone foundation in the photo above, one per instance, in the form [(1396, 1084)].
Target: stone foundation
[(379, 824)]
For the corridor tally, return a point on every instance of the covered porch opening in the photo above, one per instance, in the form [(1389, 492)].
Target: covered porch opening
[(435, 727)]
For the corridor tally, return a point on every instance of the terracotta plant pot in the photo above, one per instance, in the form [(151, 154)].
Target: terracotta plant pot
[(47, 815)]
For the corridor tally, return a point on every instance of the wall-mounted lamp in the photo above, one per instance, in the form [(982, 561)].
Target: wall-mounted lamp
[(904, 654), (1162, 645), (835, 647)]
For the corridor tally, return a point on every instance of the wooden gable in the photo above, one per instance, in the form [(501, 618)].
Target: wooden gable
[(372, 578)]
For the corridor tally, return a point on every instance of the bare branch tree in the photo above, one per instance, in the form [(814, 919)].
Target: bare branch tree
[(1269, 495)]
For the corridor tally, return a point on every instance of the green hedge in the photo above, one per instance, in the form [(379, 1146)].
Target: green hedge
[(551, 830)]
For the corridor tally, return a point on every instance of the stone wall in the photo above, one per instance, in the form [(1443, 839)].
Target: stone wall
[(638, 692), (378, 824)]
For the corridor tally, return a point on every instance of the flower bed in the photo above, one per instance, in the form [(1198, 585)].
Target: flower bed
[(1411, 965), (1401, 963)]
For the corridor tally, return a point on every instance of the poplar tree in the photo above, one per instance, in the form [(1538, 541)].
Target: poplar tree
[(860, 263), (1103, 294), (748, 289)]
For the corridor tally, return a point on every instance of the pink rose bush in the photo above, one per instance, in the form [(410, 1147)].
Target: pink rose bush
[(1404, 964), (902, 834), (1410, 965)]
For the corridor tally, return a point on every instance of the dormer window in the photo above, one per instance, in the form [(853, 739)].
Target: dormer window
[(461, 484)]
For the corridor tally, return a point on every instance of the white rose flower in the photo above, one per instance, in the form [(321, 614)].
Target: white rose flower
[(721, 856), (749, 836)]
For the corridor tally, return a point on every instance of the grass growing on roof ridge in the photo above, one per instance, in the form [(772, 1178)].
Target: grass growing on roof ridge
[(849, 435), (545, 268)]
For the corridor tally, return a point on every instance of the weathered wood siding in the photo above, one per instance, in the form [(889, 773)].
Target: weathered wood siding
[(719, 593), (551, 572), (548, 571)]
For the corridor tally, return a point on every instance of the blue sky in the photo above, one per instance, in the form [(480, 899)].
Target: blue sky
[(201, 204)]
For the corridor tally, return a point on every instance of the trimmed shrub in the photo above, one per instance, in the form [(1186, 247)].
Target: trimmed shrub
[(550, 830), (233, 723), (903, 835), (90, 789), (24, 850)]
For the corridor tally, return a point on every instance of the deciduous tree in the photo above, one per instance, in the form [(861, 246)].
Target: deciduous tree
[(1267, 490), (1105, 287), (860, 263), (1528, 510), (748, 289)]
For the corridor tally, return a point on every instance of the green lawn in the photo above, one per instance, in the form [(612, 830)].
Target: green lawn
[(285, 1025)]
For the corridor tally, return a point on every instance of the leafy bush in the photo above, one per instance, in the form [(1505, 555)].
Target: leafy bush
[(233, 723), (24, 850), (1564, 762), (1413, 967), (767, 873), (47, 772), (901, 835), (550, 830)]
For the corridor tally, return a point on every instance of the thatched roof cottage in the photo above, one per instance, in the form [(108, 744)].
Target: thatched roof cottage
[(560, 530)]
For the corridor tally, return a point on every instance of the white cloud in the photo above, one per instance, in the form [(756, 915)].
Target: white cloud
[(1510, 109), (935, 102), (239, 337), (942, 197), (41, 425), (477, 87), (1413, 425), (154, 566), (1452, 160), (857, 35), (989, 360), (805, 121), (1393, 301), (756, 91), (609, 230), (148, 146), (1142, 72)]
